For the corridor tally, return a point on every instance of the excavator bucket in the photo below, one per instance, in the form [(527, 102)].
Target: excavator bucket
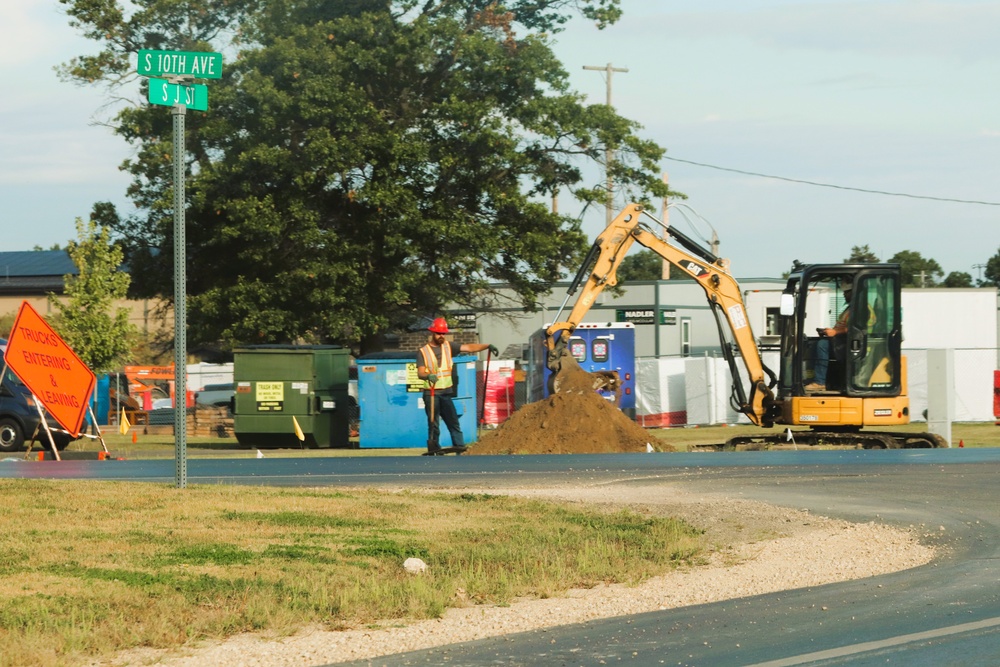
[(568, 377)]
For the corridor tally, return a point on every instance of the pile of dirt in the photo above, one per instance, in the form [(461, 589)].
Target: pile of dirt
[(576, 420)]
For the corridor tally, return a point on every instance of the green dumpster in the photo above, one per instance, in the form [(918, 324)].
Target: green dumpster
[(279, 387)]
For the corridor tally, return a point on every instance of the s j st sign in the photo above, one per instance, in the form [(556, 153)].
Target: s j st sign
[(193, 96)]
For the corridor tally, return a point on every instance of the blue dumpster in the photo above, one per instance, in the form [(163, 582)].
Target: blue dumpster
[(392, 405)]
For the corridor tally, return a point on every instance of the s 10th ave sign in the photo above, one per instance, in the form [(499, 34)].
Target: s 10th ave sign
[(49, 368), (195, 64)]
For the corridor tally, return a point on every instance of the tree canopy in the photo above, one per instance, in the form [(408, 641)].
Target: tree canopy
[(862, 255), (361, 162), (958, 279), (646, 265), (992, 273), (920, 272), (917, 271)]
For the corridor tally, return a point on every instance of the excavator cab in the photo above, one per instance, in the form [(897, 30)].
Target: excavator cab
[(864, 361)]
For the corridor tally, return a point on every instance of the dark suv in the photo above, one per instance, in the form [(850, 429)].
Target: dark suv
[(19, 415)]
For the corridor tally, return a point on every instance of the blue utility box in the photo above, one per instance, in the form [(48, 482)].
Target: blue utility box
[(392, 406)]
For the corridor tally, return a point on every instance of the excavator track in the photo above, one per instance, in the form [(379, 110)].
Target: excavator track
[(828, 440)]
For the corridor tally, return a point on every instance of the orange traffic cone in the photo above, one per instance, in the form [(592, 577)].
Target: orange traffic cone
[(961, 443), (135, 437)]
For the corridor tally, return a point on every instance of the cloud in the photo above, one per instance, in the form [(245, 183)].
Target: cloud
[(953, 29), (22, 32)]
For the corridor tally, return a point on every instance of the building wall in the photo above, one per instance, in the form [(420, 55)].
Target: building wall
[(669, 302), (949, 318), (147, 316), (417, 339), (932, 317), (11, 304)]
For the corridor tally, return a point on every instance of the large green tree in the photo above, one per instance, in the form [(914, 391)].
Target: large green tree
[(916, 270), (646, 265), (361, 162), (991, 276), (862, 255), (89, 320), (958, 279)]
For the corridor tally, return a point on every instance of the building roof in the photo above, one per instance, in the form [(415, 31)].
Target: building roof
[(34, 271)]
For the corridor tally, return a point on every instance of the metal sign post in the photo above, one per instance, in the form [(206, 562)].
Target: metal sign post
[(178, 90), (180, 304)]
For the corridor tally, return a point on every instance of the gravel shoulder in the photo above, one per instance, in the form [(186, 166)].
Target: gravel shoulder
[(757, 548)]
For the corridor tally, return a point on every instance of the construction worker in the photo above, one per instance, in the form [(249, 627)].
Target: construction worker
[(434, 367), (829, 345)]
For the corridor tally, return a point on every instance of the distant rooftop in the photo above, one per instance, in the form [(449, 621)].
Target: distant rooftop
[(34, 271)]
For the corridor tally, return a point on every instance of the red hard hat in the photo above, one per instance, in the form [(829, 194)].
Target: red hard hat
[(439, 326)]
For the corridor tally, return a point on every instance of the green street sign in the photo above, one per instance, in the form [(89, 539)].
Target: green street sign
[(197, 64), (193, 96)]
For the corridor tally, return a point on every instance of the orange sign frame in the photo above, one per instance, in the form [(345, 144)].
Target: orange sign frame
[(50, 369)]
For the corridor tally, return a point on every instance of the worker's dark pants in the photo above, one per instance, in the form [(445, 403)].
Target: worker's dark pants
[(826, 349), (445, 410), (822, 361)]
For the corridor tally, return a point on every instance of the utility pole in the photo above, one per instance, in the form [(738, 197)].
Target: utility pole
[(608, 153), (665, 270)]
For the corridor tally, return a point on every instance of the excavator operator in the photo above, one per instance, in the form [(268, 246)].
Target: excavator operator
[(831, 343)]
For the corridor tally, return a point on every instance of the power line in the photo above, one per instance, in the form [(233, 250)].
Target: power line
[(835, 187)]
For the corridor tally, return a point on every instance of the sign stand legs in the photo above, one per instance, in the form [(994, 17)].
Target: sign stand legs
[(100, 436), (45, 425)]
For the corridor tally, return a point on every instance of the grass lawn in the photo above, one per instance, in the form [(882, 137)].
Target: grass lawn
[(90, 568)]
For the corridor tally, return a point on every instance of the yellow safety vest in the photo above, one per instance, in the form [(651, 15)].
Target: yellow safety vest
[(443, 371)]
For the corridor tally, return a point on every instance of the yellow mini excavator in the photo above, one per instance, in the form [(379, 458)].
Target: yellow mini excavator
[(864, 393)]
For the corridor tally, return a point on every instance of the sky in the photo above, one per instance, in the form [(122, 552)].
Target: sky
[(889, 107)]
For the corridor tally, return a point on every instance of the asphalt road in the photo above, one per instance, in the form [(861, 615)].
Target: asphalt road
[(945, 613)]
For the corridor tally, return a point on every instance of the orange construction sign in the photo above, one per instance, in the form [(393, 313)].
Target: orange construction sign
[(49, 368)]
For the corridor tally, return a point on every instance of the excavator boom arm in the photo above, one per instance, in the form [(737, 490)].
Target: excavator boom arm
[(599, 271)]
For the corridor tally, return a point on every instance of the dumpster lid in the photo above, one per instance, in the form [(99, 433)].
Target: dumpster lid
[(391, 354)]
